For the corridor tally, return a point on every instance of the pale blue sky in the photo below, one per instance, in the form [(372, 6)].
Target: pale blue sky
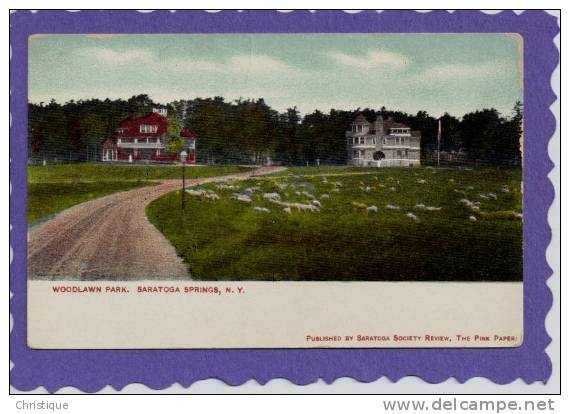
[(455, 73)]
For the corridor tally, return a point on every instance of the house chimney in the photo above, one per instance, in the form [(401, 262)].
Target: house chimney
[(160, 111)]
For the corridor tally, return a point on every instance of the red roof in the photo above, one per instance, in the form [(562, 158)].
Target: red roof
[(130, 127)]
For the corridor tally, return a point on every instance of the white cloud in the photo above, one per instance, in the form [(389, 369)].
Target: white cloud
[(254, 64), (371, 60), (189, 65), (459, 71), (240, 64), (257, 64), (113, 57)]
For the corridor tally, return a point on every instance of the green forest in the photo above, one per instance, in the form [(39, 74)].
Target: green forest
[(250, 131)]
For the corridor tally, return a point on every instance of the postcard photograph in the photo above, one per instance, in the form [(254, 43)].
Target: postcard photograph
[(275, 190)]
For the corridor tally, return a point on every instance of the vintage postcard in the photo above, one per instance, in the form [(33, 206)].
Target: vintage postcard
[(278, 189), (323, 210)]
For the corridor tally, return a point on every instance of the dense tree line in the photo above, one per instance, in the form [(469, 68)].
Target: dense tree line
[(248, 131)]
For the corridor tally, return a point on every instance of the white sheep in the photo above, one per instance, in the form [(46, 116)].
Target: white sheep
[(505, 189), (468, 203), (472, 218), (317, 203), (372, 209), (412, 216), (223, 186), (335, 190), (307, 194), (392, 207), (212, 196), (303, 207), (420, 206), (261, 209), (392, 188), (197, 193), (469, 187), (251, 189), (421, 181), (272, 196), (483, 196), (243, 198), (299, 206), (325, 196), (432, 208)]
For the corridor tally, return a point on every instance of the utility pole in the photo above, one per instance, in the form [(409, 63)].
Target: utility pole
[(183, 156), (438, 139)]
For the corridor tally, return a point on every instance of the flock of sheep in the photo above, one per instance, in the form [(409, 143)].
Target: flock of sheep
[(313, 203)]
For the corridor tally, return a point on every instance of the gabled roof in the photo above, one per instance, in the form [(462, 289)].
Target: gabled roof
[(109, 143), (390, 123), (130, 126), (361, 119)]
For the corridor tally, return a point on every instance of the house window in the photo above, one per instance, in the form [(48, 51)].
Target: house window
[(361, 140), (149, 129), (359, 128), (355, 154), (399, 154), (384, 141), (374, 141)]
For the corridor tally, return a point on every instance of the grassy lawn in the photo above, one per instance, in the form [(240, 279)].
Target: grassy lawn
[(429, 225), (112, 172), (327, 170), (53, 188), (45, 199)]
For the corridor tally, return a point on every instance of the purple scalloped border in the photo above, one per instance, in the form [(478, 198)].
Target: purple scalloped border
[(90, 371)]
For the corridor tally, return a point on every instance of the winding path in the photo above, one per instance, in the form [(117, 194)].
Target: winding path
[(110, 238)]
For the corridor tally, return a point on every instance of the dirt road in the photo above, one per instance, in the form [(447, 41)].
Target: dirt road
[(110, 238)]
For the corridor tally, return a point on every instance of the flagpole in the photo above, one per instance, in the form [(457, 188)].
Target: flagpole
[(438, 139)]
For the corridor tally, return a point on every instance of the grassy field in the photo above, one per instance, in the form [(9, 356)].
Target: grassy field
[(384, 224), (45, 199), (327, 170), (53, 188), (113, 172)]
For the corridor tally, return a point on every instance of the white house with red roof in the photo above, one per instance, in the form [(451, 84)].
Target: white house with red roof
[(145, 138), (382, 143)]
